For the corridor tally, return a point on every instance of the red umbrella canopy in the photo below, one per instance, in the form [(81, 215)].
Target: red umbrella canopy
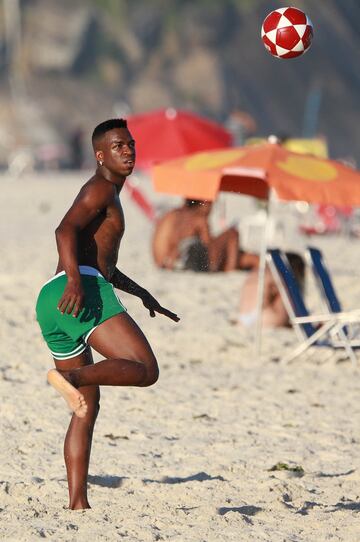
[(169, 133)]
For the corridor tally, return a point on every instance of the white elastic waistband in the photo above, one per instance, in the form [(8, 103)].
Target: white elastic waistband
[(84, 270)]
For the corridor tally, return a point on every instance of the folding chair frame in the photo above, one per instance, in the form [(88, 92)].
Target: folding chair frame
[(328, 293), (332, 323)]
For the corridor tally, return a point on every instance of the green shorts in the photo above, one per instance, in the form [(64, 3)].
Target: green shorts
[(65, 335)]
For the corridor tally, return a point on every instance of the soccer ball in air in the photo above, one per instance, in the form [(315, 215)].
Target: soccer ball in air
[(287, 32)]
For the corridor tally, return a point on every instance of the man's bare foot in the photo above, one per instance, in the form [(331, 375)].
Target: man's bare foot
[(80, 505), (72, 396)]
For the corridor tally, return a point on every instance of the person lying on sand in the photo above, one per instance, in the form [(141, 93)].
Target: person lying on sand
[(274, 313), (182, 240), (78, 309)]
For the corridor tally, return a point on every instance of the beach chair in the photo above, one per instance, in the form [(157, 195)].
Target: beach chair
[(311, 329), (322, 276), (328, 293)]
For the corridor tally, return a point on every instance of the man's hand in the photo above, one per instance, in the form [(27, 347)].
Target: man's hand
[(154, 306), (72, 299)]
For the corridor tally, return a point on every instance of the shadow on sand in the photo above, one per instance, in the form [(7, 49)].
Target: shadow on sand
[(199, 477), (247, 510), (107, 481)]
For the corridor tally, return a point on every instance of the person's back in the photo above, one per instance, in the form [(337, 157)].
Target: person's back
[(175, 227)]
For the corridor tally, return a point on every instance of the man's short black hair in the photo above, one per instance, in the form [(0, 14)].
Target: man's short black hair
[(105, 126), (194, 202)]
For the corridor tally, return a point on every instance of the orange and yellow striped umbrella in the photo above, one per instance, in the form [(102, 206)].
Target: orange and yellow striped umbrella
[(254, 171)]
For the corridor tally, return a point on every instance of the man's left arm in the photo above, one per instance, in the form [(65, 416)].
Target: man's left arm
[(126, 284)]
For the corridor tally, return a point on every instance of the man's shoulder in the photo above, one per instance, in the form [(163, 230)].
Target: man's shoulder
[(182, 214), (96, 191), (97, 185), (169, 215), (97, 182)]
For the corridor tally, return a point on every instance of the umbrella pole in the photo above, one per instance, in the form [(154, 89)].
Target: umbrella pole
[(261, 276)]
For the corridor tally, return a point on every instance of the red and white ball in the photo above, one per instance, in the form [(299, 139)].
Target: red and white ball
[(287, 32)]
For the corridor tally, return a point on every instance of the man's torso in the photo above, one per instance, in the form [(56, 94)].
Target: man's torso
[(98, 243)]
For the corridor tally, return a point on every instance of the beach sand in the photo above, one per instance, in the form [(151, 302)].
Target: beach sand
[(189, 459)]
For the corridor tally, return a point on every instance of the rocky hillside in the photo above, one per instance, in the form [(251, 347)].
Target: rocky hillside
[(77, 62)]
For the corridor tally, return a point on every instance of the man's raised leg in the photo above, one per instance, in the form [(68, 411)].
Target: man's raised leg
[(129, 358)]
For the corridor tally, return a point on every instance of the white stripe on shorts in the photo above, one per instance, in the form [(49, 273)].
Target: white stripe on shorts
[(66, 355), (84, 270)]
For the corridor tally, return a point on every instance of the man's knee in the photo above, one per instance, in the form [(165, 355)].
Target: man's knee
[(151, 376)]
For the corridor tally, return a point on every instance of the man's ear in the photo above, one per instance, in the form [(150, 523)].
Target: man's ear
[(99, 156)]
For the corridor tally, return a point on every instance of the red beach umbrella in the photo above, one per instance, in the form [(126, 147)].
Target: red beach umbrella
[(170, 133)]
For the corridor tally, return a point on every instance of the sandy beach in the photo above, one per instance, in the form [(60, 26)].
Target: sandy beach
[(190, 459)]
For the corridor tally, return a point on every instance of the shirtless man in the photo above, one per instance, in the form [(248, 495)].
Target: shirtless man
[(182, 240), (78, 309)]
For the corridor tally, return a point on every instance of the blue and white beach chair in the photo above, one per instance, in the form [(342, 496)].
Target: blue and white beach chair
[(328, 293), (323, 279), (311, 329)]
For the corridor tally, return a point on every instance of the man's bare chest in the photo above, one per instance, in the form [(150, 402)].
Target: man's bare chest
[(114, 220), (109, 224)]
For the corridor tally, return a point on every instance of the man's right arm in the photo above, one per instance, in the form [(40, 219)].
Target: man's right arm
[(204, 231), (90, 201)]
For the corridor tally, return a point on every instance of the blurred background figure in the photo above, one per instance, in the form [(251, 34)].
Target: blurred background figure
[(325, 219), (76, 148), (59, 72), (274, 313), (241, 125), (182, 240)]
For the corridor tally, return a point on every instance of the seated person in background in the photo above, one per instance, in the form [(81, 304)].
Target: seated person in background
[(274, 313), (182, 240)]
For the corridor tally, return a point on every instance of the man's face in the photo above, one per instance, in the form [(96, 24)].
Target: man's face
[(117, 151)]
